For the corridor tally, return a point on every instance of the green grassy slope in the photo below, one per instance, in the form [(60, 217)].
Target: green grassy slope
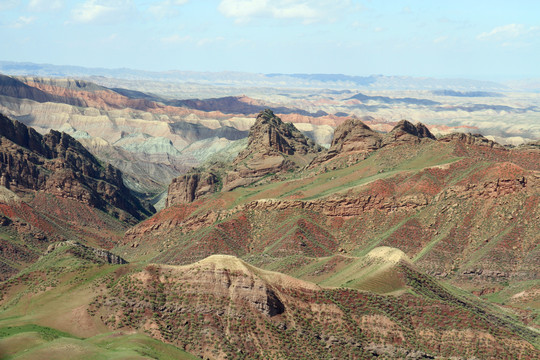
[(34, 342)]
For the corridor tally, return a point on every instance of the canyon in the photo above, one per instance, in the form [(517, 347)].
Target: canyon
[(284, 226)]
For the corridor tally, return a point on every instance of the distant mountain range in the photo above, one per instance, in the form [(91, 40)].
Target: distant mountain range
[(232, 78)]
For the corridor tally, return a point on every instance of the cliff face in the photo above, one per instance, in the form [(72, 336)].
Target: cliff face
[(59, 165), (190, 187)]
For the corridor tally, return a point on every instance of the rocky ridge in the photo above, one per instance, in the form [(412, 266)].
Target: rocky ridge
[(222, 307), (471, 139), (99, 255), (454, 188), (58, 164), (354, 140), (273, 147), (405, 131)]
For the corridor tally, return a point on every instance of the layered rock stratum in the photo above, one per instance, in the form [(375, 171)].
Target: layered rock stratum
[(58, 164)]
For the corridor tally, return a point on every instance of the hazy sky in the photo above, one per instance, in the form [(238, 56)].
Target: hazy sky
[(495, 40)]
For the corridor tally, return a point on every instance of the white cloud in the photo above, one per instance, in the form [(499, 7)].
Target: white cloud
[(359, 25), (508, 32), (176, 39), (307, 11), (23, 21), (206, 41), (45, 5), (8, 4), (440, 39), (166, 8), (101, 10), (110, 39), (406, 10)]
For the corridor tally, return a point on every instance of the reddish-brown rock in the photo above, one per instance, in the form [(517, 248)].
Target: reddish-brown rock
[(190, 187), (405, 131), (351, 138), (470, 139), (273, 147), (58, 164)]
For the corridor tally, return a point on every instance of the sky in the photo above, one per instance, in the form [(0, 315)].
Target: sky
[(476, 39)]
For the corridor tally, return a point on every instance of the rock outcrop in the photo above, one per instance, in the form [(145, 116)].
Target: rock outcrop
[(58, 164), (405, 131), (269, 134), (273, 147), (351, 138), (225, 275), (88, 253), (190, 187), (471, 139), (355, 136)]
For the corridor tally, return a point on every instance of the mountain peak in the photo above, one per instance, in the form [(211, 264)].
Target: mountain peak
[(405, 131), (273, 147), (352, 137), (355, 135), (271, 135)]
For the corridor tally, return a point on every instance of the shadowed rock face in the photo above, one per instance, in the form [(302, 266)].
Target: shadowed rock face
[(242, 288), (190, 187), (58, 164)]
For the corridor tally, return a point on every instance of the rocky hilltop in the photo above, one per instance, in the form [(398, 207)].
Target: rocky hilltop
[(405, 131), (353, 140), (274, 147), (59, 165), (271, 136), (224, 308)]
